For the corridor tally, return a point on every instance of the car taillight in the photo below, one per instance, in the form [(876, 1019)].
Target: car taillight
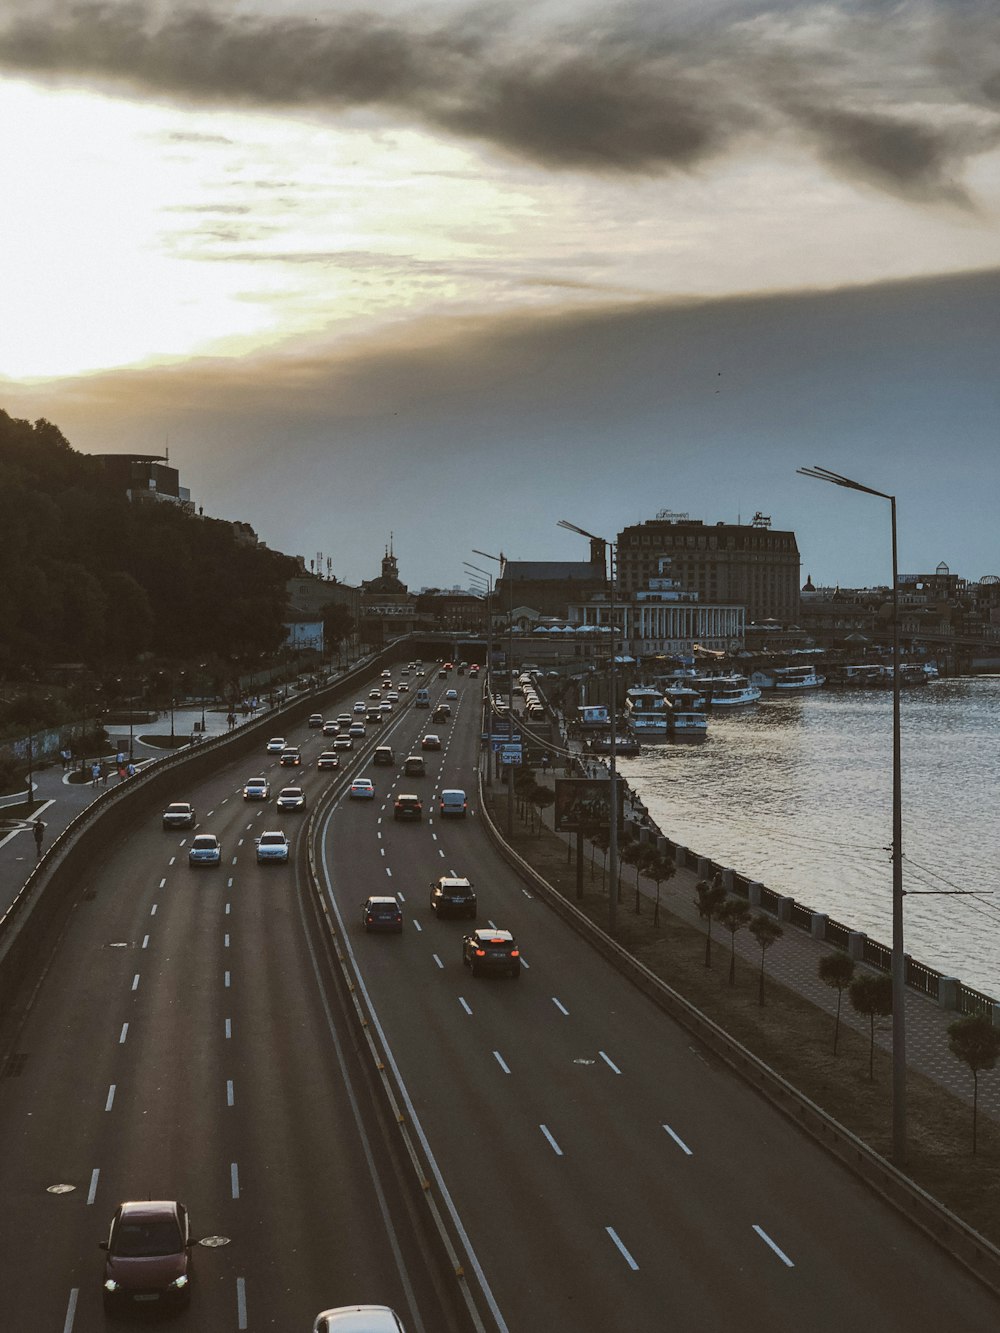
[(480, 953), (515, 953)]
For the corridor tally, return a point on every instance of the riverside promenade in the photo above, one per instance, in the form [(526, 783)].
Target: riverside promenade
[(793, 961)]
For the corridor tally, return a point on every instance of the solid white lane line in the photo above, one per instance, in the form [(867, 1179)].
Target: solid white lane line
[(135, 982), (230, 1095), (552, 1143), (501, 1062), (418, 926), (560, 1006), (74, 1296), (145, 941), (241, 1303), (624, 1253), (226, 979), (121, 1039), (464, 1005), (234, 1179), (163, 882), (93, 1184), (437, 960), (152, 910), (777, 1249), (111, 1097), (229, 1029), (679, 1141), (609, 1062)]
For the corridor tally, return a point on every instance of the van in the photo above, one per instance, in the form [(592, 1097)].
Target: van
[(453, 802), (422, 699)]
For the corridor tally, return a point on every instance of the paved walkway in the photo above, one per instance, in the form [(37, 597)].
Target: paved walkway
[(793, 961)]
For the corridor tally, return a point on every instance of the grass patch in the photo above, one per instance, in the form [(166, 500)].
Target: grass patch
[(793, 1036)]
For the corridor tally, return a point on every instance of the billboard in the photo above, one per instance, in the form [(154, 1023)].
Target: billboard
[(584, 803)]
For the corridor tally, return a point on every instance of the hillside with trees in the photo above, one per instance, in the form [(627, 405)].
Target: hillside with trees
[(88, 577)]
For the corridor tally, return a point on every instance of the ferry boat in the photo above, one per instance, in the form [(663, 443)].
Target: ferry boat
[(863, 677), (677, 712), (788, 678), (728, 691), (646, 711)]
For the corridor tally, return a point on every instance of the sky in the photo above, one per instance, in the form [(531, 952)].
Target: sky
[(453, 272)]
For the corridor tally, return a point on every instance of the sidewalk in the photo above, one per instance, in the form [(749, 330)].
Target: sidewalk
[(793, 961)]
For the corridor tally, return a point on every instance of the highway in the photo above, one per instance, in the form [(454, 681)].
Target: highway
[(605, 1172)]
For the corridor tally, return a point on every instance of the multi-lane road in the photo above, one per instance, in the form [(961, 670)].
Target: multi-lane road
[(601, 1171)]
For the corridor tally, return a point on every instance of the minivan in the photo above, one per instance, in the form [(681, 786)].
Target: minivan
[(453, 802)]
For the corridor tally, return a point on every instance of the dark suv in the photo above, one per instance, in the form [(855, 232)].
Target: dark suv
[(491, 951), (453, 896), (380, 912), (408, 806)]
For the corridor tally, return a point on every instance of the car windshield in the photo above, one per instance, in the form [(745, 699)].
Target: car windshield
[(148, 1237), (204, 840), (272, 840)]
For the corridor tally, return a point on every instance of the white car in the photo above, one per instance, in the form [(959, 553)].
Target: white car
[(276, 744), (360, 707), (362, 789), (358, 1319), (256, 789), (451, 694), (315, 719), (291, 798), (272, 846), (356, 729), (179, 814), (330, 728)]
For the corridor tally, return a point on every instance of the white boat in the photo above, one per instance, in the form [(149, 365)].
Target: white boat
[(788, 678), (731, 691), (646, 711)]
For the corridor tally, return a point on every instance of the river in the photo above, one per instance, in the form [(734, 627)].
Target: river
[(796, 791)]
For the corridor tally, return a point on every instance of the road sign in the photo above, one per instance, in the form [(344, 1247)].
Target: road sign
[(510, 754), (498, 742)]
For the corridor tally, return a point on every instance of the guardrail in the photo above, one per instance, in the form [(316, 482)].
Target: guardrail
[(976, 1254)]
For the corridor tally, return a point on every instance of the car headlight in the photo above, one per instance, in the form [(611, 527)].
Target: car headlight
[(110, 1284), (178, 1283)]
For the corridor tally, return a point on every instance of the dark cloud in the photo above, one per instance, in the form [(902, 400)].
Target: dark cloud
[(871, 87)]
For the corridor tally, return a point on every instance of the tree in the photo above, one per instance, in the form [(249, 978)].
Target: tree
[(837, 969), (338, 624), (541, 798), (601, 839), (976, 1042), (636, 854), (871, 995), (709, 898), (765, 931), (660, 869), (734, 915)]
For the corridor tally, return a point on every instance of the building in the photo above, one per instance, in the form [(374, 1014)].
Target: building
[(549, 586), (728, 564), (388, 608), (145, 477)]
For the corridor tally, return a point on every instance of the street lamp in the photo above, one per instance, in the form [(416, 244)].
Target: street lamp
[(613, 739), (487, 712), (898, 956), (501, 560)]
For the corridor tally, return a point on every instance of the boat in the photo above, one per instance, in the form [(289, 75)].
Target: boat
[(593, 717), (787, 678), (677, 712), (865, 676), (646, 711), (732, 691), (623, 745)]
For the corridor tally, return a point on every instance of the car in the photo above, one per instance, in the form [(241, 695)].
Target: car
[(405, 671), (461, 668), (393, 696), (205, 850), (383, 755), (408, 806), (491, 950), (453, 895), (291, 798), (256, 789), (385, 706), (474, 669), (362, 789), (442, 674), (360, 706), (328, 759), (453, 802), (451, 694), (374, 716), (402, 688), (330, 727), (344, 719), (441, 714), (147, 1258), (430, 742), (272, 846), (449, 666), (179, 814), (357, 730), (415, 766), (374, 694), (380, 912), (276, 744), (385, 673), (315, 719), (290, 757), (358, 1319), (343, 743)]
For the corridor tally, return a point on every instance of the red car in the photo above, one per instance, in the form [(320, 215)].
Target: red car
[(148, 1261)]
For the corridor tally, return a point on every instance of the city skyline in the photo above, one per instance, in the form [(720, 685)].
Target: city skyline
[(458, 271)]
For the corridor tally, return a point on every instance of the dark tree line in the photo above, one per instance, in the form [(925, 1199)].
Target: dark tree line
[(87, 576)]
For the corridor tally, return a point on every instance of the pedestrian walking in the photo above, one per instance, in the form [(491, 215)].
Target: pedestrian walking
[(95, 771), (39, 832), (545, 763), (67, 758), (131, 770), (121, 772), (104, 774)]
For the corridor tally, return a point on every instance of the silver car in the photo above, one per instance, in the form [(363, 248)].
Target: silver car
[(272, 846), (291, 798), (358, 1319)]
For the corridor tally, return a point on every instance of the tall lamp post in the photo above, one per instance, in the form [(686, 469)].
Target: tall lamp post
[(898, 956), (489, 660), (613, 738), (501, 560)]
